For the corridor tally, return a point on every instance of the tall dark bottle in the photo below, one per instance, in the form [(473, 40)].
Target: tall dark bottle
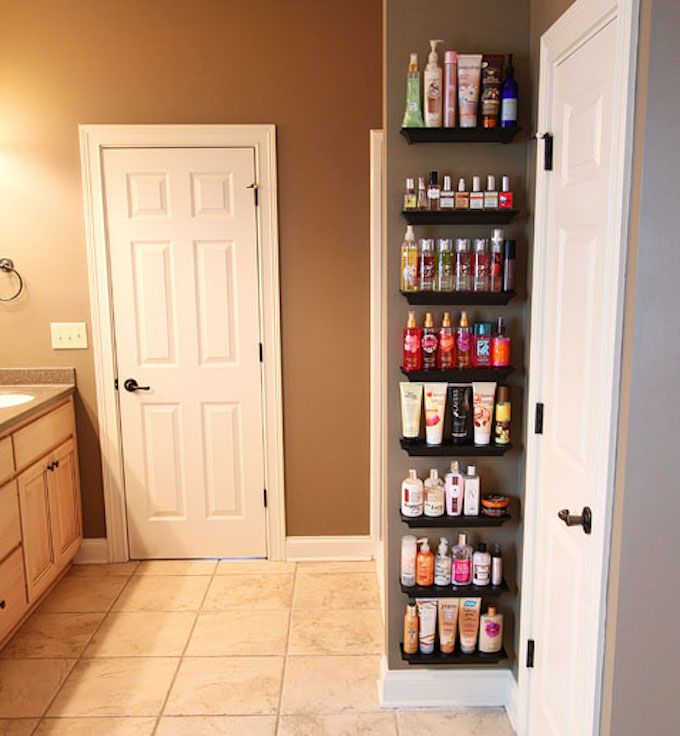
[(509, 97)]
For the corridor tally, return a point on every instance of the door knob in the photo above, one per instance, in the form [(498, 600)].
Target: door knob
[(585, 520), (131, 385)]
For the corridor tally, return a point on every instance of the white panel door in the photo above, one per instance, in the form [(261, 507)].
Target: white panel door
[(182, 237), (575, 353)]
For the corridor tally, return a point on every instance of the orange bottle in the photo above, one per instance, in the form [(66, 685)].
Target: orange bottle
[(411, 629), (424, 564)]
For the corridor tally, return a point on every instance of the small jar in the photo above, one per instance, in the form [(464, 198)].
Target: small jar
[(495, 505), (461, 278), (481, 344)]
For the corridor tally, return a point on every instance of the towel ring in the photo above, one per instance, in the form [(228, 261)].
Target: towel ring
[(7, 265)]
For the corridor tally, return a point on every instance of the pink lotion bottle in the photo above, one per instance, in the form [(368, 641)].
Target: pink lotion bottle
[(450, 88)]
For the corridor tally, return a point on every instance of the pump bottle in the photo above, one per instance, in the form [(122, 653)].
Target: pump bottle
[(432, 88), (442, 564), (413, 115), (424, 564)]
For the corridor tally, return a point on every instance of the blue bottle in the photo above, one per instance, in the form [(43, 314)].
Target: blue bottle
[(509, 98)]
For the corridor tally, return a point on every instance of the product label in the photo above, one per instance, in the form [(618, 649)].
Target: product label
[(509, 110), (409, 201), (482, 574), (434, 506), (433, 193), (492, 628), (463, 341), (411, 343), (429, 343), (446, 201), (461, 571)]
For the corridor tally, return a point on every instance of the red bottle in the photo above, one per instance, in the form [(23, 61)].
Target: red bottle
[(446, 352), (412, 352), (500, 346), (429, 343)]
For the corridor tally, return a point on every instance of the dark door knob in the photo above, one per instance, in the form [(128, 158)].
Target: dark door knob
[(131, 385), (585, 520)]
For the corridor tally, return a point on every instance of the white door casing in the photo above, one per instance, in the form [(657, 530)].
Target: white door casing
[(579, 243), (184, 285), (260, 139)]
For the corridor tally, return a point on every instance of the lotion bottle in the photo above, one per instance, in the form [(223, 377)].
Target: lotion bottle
[(442, 564), (481, 566), (411, 628), (432, 88), (471, 501), (491, 631), (412, 495), (454, 486), (434, 495), (462, 561), (409, 548), (424, 564)]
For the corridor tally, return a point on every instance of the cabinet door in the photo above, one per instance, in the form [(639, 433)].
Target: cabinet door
[(64, 494), (39, 557)]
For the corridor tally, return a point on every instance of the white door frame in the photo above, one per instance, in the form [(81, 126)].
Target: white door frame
[(94, 139), (556, 44)]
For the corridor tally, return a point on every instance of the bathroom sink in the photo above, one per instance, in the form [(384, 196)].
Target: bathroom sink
[(9, 400)]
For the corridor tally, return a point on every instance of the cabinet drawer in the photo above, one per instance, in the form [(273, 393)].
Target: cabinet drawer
[(13, 603), (6, 460), (10, 524), (39, 437)]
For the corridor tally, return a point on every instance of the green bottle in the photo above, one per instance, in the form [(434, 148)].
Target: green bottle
[(413, 117)]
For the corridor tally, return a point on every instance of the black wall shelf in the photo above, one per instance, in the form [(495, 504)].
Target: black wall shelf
[(460, 375), (444, 298), (459, 135), (454, 522), (449, 591), (460, 217), (457, 658), (418, 448)]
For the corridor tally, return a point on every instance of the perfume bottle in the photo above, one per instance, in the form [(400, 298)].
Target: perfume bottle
[(481, 344), (496, 261), (429, 344), (421, 197), (480, 277), (461, 276), (462, 196), (447, 197), (463, 341), (410, 197), (444, 277), (476, 195), (433, 191), (500, 346), (426, 264), (409, 261), (446, 350), (412, 360), (509, 249)]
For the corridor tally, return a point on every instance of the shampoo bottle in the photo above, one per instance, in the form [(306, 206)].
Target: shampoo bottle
[(434, 495), (409, 548), (424, 564), (442, 564), (413, 116), (454, 485), (491, 632), (412, 495), (481, 566), (462, 561), (471, 501), (432, 88)]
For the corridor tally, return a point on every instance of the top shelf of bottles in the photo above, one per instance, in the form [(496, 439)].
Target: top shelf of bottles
[(459, 135)]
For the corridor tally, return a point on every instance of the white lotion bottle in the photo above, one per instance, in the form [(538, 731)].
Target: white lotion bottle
[(481, 566), (454, 488), (491, 631), (409, 549), (442, 564), (412, 495), (432, 88), (471, 502), (434, 495)]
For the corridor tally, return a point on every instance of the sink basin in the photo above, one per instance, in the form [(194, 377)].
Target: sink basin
[(9, 400)]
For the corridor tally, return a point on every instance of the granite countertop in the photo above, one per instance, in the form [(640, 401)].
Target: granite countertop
[(48, 386)]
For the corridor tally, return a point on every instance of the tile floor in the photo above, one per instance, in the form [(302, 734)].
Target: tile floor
[(207, 648)]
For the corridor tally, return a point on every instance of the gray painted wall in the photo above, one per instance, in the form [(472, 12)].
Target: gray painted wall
[(643, 664)]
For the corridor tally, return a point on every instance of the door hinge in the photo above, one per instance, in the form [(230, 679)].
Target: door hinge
[(530, 652), (261, 353), (115, 383), (547, 151), (264, 495), (538, 419), (254, 187)]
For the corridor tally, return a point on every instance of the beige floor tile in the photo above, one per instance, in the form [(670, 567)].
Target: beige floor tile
[(176, 567), (342, 590), (254, 567), (217, 726), (331, 568), (28, 685), (115, 687), (96, 727), (23, 727), (346, 724), (317, 685), (462, 721), (229, 633), (163, 593), (315, 631), (142, 634), (264, 592), (53, 635), (123, 569), (76, 594), (226, 686)]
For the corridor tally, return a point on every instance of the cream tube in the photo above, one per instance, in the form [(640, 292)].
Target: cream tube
[(427, 613), (411, 402), (483, 396), (469, 73), (448, 618), (468, 623), (435, 404)]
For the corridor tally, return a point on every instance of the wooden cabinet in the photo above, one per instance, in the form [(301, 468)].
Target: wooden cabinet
[(64, 493), (13, 602)]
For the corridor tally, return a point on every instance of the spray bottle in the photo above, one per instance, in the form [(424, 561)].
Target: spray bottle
[(413, 116), (432, 88)]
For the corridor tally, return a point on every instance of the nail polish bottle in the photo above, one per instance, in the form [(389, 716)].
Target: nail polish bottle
[(433, 191), (491, 195), (505, 196), (462, 196), (476, 195)]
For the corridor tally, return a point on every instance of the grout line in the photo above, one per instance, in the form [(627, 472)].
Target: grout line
[(285, 649)]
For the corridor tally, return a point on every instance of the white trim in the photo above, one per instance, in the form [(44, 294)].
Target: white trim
[(93, 140), (92, 552), (557, 43), (359, 547), (444, 688)]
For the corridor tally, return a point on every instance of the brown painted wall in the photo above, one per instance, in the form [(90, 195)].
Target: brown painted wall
[(311, 68)]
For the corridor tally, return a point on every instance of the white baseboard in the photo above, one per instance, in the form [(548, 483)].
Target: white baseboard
[(92, 552), (423, 688), (512, 706), (358, 547)]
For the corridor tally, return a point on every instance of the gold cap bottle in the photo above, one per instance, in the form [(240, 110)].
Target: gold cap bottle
[(446, 320), (411, 322), (429, 322), (463, 322)]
